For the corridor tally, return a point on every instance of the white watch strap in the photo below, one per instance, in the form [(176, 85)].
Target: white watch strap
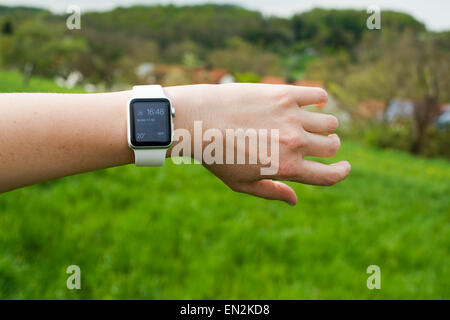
[(153, 91), (149, 157)]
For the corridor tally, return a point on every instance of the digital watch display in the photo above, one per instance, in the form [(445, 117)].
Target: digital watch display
[(150, 122), (150, 125)]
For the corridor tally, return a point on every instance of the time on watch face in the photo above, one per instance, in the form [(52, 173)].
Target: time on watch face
[(150, 122)]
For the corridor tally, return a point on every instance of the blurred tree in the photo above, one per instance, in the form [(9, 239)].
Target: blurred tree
[(175, 52), (112, 44), (329, 31), (42, 48), (191, 61), (392, 64), (208, 25), (7, 28), (176, 77), (240, 56), (100, 64)]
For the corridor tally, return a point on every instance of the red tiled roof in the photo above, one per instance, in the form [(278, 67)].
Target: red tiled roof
[(217, 74), (370, 108), (200, 75)]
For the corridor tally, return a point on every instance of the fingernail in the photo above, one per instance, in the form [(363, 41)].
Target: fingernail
[(334, 135), (323, 96), (342, 163), (348, 165)]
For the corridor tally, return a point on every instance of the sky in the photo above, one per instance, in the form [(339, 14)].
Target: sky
[(434, 13)]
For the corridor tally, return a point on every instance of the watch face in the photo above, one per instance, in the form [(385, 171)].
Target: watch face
[(150, 122)]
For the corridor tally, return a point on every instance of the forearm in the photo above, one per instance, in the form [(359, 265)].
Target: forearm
[(46, 136)]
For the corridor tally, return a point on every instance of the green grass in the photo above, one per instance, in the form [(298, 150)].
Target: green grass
[(12, 81), (178, 232)]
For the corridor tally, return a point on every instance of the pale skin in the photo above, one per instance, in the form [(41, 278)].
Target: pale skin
[(46, 136)]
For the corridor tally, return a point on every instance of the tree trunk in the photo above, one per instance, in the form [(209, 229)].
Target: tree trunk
[(27, 72), (424, 113)]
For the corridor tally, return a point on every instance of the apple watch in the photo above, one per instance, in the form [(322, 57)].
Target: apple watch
[(150, 125)]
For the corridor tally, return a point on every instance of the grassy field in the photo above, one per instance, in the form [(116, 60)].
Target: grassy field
[(11, 81), (177, 232)]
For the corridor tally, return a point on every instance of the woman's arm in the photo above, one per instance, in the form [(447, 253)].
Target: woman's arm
[(46, 136)]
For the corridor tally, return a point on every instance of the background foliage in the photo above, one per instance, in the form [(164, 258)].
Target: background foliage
[(402, 60), (187, 235)]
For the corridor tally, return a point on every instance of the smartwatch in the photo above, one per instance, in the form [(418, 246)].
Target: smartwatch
[(150, 125)]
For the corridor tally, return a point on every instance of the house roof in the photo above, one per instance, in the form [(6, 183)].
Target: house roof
[(371, 108), (399, 109), (217, 74), (202, 75)]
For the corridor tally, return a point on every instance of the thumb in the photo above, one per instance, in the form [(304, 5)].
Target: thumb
[(272, 190)]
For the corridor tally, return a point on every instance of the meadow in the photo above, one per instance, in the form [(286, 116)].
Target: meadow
[(177, 232)]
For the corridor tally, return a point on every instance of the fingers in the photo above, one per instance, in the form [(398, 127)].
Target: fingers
[(311, 172), (318, 145), (269, 189), (309, 95), (320, 174), (318, 122)]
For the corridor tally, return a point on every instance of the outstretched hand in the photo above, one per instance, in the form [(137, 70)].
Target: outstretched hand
[(258, 106)]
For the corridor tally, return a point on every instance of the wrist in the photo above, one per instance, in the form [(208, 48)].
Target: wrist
[(118, 125), (186, 110)]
